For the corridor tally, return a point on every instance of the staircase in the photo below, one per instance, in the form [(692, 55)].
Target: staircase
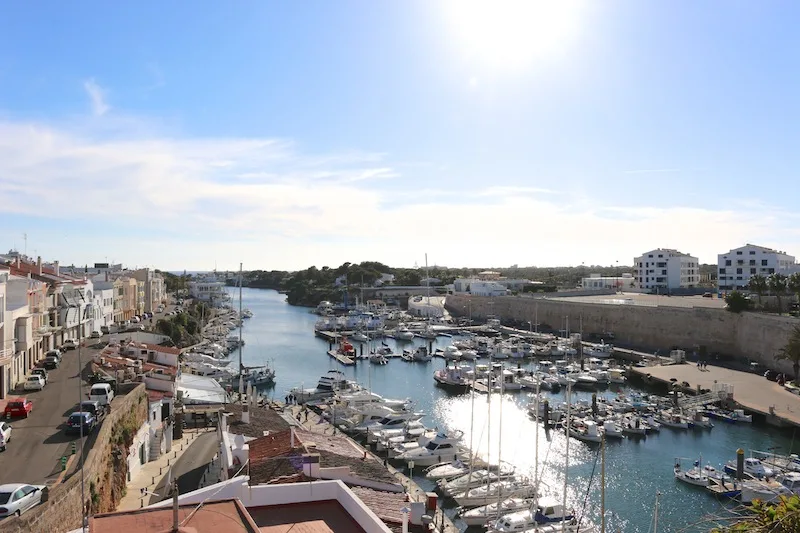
[(699, 400), (155, 444)]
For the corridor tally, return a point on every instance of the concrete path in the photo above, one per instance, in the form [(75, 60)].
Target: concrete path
[(752, 391), (151, 475)]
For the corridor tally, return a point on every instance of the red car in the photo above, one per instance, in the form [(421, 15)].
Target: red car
[(18, 407)]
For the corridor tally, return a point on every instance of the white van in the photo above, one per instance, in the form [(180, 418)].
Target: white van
[(101, 393)]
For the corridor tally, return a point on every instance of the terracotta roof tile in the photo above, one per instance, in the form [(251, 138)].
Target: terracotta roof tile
[(261, 419), (163, 349)]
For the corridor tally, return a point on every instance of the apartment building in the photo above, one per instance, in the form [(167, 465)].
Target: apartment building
[(735, 267), (664, 269)]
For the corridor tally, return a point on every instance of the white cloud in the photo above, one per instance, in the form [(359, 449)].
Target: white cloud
[(97, 95), (178, 202)]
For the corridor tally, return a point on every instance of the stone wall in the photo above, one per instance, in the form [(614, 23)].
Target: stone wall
[(62, 511), (754, 336)]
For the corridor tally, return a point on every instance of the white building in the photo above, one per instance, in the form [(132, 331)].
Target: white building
[(102, 302), (620, 283), (665, 268), (208, 291), (735, 267), (479, 287)]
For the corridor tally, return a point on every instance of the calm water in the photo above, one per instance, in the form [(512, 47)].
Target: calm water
[(635, 469)]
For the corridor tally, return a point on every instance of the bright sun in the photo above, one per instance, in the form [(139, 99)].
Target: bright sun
[(512, 34)]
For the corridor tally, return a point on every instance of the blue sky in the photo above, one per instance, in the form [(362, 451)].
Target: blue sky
[(284, 134)]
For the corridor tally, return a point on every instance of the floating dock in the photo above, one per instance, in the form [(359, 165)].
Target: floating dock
[(343, 359)]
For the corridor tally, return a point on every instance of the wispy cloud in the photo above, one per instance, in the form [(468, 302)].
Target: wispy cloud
[(652, 171), (97, 95), (272, 204)]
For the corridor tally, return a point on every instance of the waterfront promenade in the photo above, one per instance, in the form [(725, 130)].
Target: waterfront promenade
[(753, 392)]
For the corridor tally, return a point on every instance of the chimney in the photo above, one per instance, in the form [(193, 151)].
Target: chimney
[(39, 265), (311, 465), (404, 511), (56, 268), (176, 523)]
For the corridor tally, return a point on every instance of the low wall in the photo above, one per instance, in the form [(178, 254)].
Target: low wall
[(62, 511), (753, 336)]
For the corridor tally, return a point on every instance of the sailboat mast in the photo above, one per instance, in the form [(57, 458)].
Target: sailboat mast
[(241, 347), (603, 483), (500, 439), (428, 282), (566, 453)]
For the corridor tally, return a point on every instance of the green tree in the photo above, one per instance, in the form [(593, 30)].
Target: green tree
[(737, 302), (780, 517), (758, 285), (793, 284), (777, 286), (791, 352)]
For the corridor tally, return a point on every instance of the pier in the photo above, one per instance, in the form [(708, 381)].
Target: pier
[(751, 392)]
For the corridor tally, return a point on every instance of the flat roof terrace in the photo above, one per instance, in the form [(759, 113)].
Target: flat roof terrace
[(646, 300)]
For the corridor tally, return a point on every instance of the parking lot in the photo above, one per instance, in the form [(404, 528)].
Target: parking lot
[(37, 443)]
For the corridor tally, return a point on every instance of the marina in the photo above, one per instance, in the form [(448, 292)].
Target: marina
[(636, 467)]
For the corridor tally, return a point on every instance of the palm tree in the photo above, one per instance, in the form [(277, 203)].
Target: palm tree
[(793, 283), (777, 286), (791, 352), (758, 284)]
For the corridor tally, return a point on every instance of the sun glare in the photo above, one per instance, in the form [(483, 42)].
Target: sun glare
[(512, 34)]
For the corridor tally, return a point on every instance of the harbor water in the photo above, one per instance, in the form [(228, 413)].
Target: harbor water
[(635, 470)]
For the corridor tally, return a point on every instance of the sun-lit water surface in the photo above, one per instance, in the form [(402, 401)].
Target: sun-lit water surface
[(635, 469)]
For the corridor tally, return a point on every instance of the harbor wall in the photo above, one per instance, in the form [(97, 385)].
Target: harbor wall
[(753, 336)]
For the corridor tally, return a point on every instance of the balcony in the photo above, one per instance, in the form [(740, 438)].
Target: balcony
[(6, 356)]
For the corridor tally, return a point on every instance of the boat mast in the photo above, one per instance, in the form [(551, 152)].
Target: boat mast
[(241, 347), (655, 513), (566, 454), (500, 439), (603, 483)]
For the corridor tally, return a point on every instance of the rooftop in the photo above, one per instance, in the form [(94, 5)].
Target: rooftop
[(223, 516), (313, 517), (261, 420)]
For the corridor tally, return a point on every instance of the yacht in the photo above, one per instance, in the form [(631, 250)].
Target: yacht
[(451, 352), (378, 359), (475, 479), (752, 466), (452, 378), (600, 351), (390, 421), (585, 430), (616, 375), (485, 494), (484, 514), (402, 333), (442, 447), (329, 384), (766, 491), (195, 357), (546, 511), (208, 370), (612, 430), (359, 336), (446, 471)]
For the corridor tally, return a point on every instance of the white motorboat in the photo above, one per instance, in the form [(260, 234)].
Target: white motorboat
[(359, 336), (585, 430), (453, 378), (600, 351), (696, 475), (633, 426), (790, 480), (419, 355), (449, 470), (485, 494), (613, 430), (402, 333), (451, 352), (378, 359), (701, 421), (484, 514), (469, 355), (616, 375), (766, 491), (443, 447), (391, 421), (412, 430), (195, 357), (752, 466), (673, 420), (208, 370), (329, 384), (547, 511)]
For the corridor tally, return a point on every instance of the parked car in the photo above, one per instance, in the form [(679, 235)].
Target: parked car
[(54, 353), (105, 330), (18, 407), (96, 335), (99, 377), (94, 408), (78, 419), (51, 362), (101, 393), (16, 498), (69, 344), (40, 371), (34, 382), (5, 435)]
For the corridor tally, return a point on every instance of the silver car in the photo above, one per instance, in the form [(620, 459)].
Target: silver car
[(16, 498)]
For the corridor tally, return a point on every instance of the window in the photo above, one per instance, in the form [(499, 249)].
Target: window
[(738, 270), (650, 256), (752, 262), (752, 270), (722, 271), (660, 255), (664, 272), (771, 270), (739, 252), (728, 263), (763, 262), (752, 252)]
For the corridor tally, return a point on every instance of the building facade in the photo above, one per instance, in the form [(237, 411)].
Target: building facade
[(735, 267), (154, 288), (597, 281), (664, 269)]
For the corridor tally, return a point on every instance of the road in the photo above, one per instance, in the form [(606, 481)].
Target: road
[(38, 442)]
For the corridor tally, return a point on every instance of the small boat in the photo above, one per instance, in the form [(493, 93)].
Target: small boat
[(586, 431), (696, 475), (766, 491), (452, 378), (402, 333), (480, 516), (548, 512), (451, 352), (378, 359), (359, 336), (485, 494), (752, 466), (442, 447), (617, 375), (475, 479), (613, 430)]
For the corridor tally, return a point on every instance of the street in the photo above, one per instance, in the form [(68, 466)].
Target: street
[(38, 442)]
